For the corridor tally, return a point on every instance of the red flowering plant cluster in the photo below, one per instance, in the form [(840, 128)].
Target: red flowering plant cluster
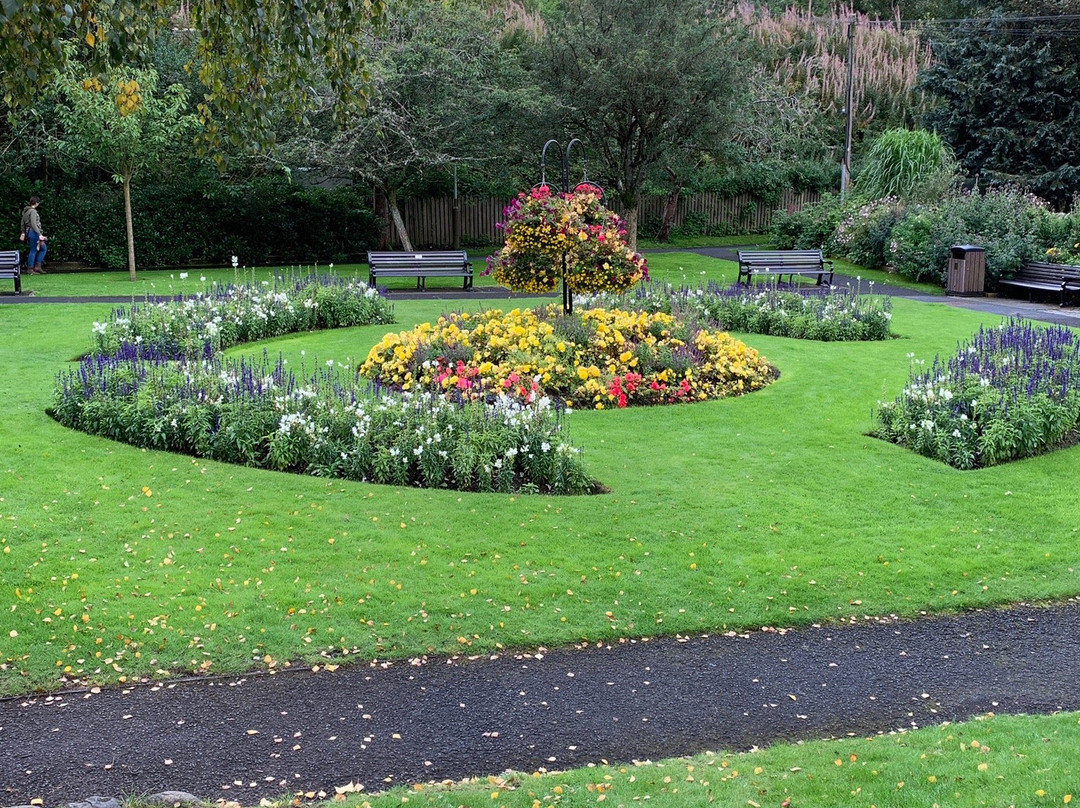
[(566, 235)]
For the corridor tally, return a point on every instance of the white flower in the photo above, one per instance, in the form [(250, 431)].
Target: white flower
[(183, 276), (235, 261)]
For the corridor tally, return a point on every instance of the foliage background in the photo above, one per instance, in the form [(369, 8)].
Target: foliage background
[(199, 217)]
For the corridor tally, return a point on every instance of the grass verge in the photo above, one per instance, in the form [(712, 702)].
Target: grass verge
[(993, 760)]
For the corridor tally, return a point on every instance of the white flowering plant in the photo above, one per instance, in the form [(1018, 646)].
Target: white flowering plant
[(1013, 391), (232, 314), (328, 424), (801, 312)]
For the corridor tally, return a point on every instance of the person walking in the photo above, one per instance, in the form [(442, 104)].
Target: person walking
[(36, 240)]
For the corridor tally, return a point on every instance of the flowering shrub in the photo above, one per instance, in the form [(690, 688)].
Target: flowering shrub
[(260, 414), (542, 229), (863, 235), (1004, 221), (1012, 392), (595, 358), (232, 314), (840, 314)]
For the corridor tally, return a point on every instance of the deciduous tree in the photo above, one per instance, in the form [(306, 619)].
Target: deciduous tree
[(253, 56), (445, 90), (121, 124), (641, 81)]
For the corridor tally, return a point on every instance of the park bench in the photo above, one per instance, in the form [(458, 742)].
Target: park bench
[(784, 262), (420, 265), (10, 268), (1041, 276)]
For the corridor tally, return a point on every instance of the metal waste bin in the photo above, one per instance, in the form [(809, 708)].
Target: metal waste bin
[(967, 271)]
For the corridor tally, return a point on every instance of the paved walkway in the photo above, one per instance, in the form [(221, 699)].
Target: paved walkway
[(249, 737)]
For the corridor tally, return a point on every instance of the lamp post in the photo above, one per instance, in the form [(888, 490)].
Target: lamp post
[(564, 186), (845, 166)]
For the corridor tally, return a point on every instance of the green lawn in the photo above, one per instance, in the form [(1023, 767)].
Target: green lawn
[(992, 761), (770, 509)]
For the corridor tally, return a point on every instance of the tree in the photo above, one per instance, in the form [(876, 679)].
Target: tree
[(643, 83), (1009, 103), (445, 91), (253, 56), (799, 69), (121, 125)]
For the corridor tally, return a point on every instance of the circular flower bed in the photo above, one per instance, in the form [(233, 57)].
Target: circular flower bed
[(595, 358)]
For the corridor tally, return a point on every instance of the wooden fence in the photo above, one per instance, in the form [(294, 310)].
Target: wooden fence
[(430, 221)]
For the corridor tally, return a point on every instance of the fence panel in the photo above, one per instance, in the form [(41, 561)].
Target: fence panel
[(430, 220)]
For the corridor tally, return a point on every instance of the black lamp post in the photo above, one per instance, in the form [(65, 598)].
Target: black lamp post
[(564, 186)]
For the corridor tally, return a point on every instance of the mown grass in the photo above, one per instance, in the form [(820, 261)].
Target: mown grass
[(155, 282), (687, 242), (770, 509), (994, 760)]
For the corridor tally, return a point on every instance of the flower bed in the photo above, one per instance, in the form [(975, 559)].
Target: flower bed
[(260, 414), (1012, 392), (594, 358), (233, 314), (155, 379), (818, 314)]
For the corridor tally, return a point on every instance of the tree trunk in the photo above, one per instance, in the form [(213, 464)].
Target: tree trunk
[(382, 210), (129, 227), (631, 224), (399, 223), (671, 206)]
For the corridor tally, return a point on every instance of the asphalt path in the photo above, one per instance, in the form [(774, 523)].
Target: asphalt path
[(379, 724)]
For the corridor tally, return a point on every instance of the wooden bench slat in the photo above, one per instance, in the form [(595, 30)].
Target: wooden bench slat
[(1045, 277), (11, 268), (784, 262), (420, 265)]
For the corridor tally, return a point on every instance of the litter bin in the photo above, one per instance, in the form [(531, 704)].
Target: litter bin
[(967, 271)]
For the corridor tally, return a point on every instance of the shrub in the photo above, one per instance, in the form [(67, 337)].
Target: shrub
[(919, 247), (864, 233), (810, 228), (197, 217), (695, 223), (1012, 392), (784, 311), (1003, 221)]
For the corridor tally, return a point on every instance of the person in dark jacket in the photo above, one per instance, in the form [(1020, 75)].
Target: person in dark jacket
[(36, 240)]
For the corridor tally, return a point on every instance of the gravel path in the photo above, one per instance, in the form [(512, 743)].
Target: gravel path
[(246, 738)]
